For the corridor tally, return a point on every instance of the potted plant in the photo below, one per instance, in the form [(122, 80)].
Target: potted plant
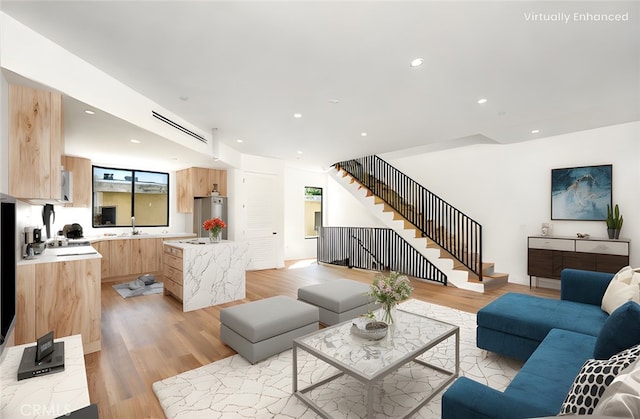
[(614, 222)]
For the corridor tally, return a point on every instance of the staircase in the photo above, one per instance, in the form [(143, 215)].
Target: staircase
[(435, 241)]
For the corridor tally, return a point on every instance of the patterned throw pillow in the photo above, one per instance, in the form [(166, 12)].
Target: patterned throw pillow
[(593, 379)]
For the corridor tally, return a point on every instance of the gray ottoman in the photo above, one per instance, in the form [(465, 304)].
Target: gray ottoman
[(338, 300), (262, 328)]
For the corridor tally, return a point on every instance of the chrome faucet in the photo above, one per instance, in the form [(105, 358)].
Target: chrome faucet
[(133, 226)]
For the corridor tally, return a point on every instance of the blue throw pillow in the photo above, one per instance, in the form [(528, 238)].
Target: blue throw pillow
[(619, 332)]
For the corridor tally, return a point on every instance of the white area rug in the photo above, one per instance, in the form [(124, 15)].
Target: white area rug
[(233, 388)]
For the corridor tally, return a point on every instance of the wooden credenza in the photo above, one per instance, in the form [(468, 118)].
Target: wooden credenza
[(548, 256)]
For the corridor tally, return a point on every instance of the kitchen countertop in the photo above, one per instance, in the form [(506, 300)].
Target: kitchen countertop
[(71, 253), (62, 254), (195, 242), (128, 235)]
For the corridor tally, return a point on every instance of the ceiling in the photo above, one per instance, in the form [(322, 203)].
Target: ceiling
[(245, 68)]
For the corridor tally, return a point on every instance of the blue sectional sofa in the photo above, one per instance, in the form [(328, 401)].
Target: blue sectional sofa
[(515, 324), (554, 337)]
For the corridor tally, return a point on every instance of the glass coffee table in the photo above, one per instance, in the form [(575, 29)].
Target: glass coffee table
[(370, 362)]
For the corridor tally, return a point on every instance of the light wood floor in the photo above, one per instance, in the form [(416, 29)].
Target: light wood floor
[(149, 338)]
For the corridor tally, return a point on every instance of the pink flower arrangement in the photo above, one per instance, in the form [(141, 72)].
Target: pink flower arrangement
[(389, 290)]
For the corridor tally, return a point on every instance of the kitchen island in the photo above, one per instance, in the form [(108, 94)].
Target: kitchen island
[(203, 274)]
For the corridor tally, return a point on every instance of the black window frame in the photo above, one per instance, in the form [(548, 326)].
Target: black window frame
[(133, 194)]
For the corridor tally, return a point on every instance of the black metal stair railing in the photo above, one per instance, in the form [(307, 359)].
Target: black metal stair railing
[(450, 228), (374, 249)]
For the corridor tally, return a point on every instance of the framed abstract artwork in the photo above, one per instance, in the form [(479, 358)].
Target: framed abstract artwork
[(581, 193)]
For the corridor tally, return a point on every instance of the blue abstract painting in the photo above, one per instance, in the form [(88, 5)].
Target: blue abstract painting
[(581, 193)]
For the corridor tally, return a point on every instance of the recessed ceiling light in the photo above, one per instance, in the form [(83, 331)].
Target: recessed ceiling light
[(297, 115), (133, 140), (535, 131), (364, 134), (417, 62), (481, 101), (89, 112), (239, 141), (334, 101), (299, 152)]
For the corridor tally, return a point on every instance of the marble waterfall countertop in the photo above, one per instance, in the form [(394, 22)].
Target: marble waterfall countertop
[(212, 273), (46, 396)]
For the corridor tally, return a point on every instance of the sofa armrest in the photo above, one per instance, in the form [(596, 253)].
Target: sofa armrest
[(468, 399), (581, 286)]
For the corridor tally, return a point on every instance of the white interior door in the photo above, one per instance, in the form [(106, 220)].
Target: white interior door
[(261, 208)]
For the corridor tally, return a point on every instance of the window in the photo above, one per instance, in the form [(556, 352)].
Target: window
[(312, 211), (119, 195)]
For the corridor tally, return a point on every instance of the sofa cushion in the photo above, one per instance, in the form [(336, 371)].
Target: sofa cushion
[(622, 288), (592, 381), (622, 398), (533, 317), (551, 370), (620, 331)]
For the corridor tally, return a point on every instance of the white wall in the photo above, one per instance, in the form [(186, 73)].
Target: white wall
[(343, 210), (507, 188)]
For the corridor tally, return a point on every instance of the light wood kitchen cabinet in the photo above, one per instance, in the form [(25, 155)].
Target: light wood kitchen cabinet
[(172, 271), (147, 255), (36, 142), (80, 169), (198, 181), (120, 260), (61, 296), (102, 247), (128, 258), (218, 177), (184, 190)]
